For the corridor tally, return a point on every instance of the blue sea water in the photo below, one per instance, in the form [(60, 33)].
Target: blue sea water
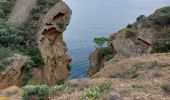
[(97, 18)]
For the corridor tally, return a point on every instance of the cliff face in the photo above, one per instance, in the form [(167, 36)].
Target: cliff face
[(50, 43), (139, 38), (12, 73)]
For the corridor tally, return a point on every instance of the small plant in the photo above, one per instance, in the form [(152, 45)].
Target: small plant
[(105, 86), (162, 46), (36, 57), (91, 93), (60, 82), (130, 33), (25, 78), (129, 26), (56, 90), (69, 67), (166, 87), (2, 67), (28, 66), (106, 51), (140, 17), (43, 92), (137, 86)]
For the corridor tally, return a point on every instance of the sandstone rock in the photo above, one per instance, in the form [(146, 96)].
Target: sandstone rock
[(12, 73), (4, 98), (11, 91), (97, 61), (52, 46)]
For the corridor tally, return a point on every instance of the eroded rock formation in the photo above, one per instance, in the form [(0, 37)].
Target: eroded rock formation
[(12, 74), (51, 44)]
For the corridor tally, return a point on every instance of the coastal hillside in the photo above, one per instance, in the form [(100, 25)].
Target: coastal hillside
[(134, 65), (147, 35)]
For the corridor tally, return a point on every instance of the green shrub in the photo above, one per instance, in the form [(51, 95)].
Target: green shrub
[(28, 65), (25, 78), (5, 53), (40, 91), (106, 51), (69, 67), (29, 90), (137, 86), (6, 7), (162, 45), (60, 89), (2, 67), (60, 82), (140, 17), (36, 56), (2, 14), (43, 91), (105, 86), (129, 26), (10, 35), (130, 33), (91, 93)]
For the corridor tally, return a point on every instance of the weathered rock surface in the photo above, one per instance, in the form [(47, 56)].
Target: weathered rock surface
[(97, 61), (12, 74), (51, 44), (21, 11)]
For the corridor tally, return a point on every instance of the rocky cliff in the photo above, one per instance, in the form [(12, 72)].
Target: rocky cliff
[(45, 33), (51, 44), (138, 38)]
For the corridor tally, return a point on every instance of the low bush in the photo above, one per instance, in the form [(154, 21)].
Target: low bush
[(129, 26), (5, 53), (162, 46), (36, 56), (93, 93), (130, 33), (6, 8), (106, 51), (69, 67), (25, 78), (60, 89), (2, 67), (137, 86), (42, 92), (140, 17)]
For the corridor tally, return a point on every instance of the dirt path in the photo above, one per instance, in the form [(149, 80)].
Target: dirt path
[(21, 11)]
